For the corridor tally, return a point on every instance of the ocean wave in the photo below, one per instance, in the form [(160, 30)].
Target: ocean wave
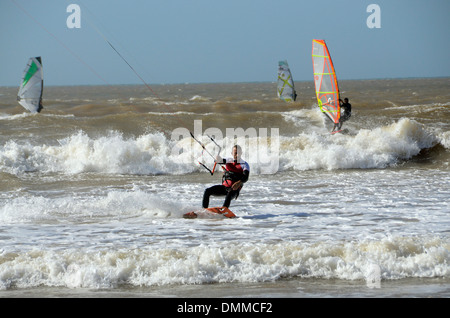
[(90, 207), (79, 153), (391, 258), (375, 148), (269, 153), (444, 139)]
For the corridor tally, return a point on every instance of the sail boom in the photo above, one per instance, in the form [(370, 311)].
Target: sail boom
[(323, 73)]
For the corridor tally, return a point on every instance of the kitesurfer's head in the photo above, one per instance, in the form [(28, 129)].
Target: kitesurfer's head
[(346, 100), (236, 152)]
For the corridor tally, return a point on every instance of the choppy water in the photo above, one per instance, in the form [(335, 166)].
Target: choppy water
[(94, 187)]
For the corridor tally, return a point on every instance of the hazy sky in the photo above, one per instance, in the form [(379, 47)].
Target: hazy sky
[(197, 41)]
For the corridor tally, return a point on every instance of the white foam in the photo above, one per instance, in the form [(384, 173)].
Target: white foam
[(155, 154), (395, 258), (377, 148), (147, 154), (199, 98), (445, 139), (113, 204)]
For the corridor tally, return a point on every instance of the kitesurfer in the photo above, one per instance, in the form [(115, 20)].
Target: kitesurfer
[(235, 175)]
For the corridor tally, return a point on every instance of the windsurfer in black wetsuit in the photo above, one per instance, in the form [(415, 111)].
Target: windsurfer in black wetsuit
[(235, 175), (347, 112)]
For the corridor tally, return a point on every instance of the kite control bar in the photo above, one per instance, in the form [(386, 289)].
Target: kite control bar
[(204, 149)]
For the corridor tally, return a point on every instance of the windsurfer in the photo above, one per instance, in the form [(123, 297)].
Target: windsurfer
[(235, 175), (347, 112)]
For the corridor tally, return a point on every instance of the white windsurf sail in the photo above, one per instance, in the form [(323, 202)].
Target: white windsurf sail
[(32, 85), (285, 84), (327, 90)]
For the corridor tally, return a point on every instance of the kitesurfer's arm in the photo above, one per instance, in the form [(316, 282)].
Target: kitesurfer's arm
[(241, 182)]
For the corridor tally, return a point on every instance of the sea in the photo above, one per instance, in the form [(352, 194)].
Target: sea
[(93, 190)]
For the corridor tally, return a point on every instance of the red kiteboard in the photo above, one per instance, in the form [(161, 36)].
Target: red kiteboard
[(217, 210)]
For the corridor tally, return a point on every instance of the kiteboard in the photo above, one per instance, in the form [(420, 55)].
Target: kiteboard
[(216, 210)]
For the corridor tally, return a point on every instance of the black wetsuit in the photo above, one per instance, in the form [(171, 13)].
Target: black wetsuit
[(347, 111)]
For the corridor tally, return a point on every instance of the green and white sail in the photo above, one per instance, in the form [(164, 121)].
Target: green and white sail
[(32, 85), (285, 84)]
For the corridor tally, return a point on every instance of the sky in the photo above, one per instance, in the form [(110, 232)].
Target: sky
[(212, 41)]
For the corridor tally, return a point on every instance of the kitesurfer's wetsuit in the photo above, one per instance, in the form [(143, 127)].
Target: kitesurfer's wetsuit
[(234, 172)]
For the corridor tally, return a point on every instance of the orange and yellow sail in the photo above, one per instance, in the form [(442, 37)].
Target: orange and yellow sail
[(327, 90)]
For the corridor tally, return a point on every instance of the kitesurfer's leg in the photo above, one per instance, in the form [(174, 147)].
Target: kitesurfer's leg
[(214, 190), (230, 195)]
